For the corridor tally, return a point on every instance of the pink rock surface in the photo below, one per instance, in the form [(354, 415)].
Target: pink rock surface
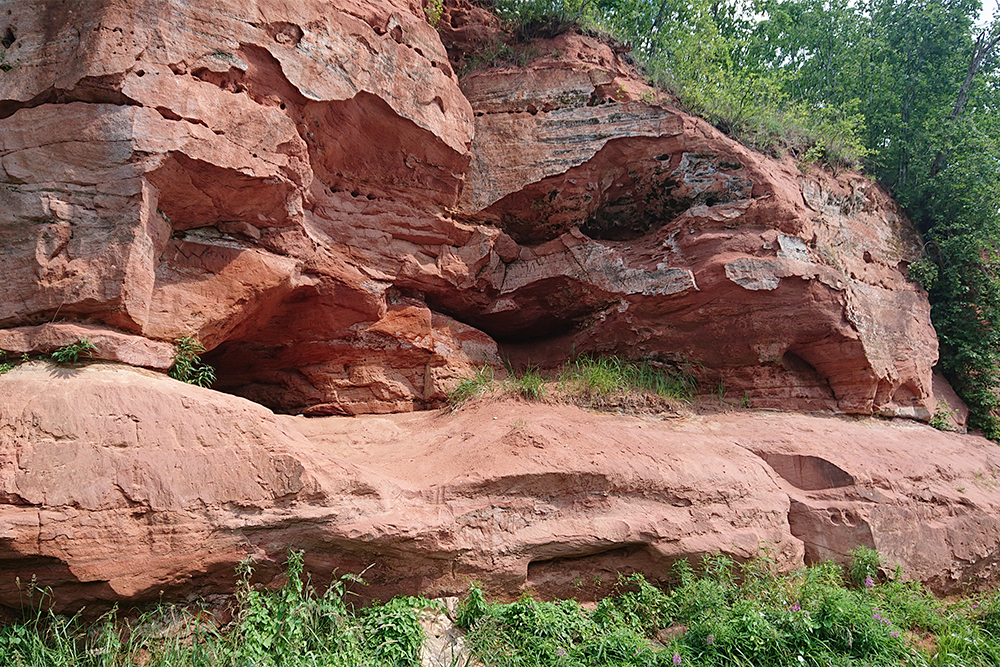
[(118, 484), (111, 345)]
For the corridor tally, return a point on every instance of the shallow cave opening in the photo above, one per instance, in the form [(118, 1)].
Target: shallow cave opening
[(592, 576), (795, 364), (548, 308)]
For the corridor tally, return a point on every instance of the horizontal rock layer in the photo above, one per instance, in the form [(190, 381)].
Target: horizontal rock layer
[(118, 484)]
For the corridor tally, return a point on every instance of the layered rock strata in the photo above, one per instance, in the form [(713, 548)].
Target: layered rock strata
[(310, 190), (108, 496)]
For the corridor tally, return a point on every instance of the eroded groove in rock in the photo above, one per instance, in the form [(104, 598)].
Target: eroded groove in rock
[(808, 473)]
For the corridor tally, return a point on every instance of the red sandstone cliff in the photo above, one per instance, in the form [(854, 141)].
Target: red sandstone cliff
[(309, 189)]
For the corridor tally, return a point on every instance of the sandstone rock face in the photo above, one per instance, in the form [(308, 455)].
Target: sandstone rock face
[(118, 484), (310, 190)]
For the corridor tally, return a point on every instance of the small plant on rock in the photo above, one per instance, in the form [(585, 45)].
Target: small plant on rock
[(70, 354), (863, 570), (942, 417), (188, 366), (433, 10)]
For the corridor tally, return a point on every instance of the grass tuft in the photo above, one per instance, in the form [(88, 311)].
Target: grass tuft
[(530, 385), (482, 383), (592, 382)]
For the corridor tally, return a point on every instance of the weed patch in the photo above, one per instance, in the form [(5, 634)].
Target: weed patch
[(188, 366), (718, 614), (602, 383), (289, 627), (727, 614), (482, 383), (70, 354)]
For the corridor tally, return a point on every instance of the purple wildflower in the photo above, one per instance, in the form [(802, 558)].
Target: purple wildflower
[(677, 659), (710, 639), (893, 634), (796, 607), (561, 652), (869, 582)]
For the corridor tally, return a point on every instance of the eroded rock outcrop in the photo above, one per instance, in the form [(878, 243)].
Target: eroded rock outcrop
[(310, 191), (121, 485)]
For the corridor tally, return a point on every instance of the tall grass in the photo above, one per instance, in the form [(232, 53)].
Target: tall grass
[(606, 377), (718, 614), (597, 382), (291, 627), (480, 384)]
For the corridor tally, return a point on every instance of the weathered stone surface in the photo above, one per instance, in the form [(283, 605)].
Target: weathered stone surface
[(118, 484), (309, 190), (111, 345), (164, 182), (922, 499), (950, 406)]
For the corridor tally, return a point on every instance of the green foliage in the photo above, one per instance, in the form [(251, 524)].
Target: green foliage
[(290, 627), (863, 569), (69, 354), (941, 419), (392, 631), (601, 378), (188, 366), (5, 365), (480, 384), (540, 18), (596, 382), (924, 272), (724, 614), (718, 614), (530, 385), (433, 11)]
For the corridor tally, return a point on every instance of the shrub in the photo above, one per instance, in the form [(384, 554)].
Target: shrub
[(433, 11), (864, 566), (188, 366)]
